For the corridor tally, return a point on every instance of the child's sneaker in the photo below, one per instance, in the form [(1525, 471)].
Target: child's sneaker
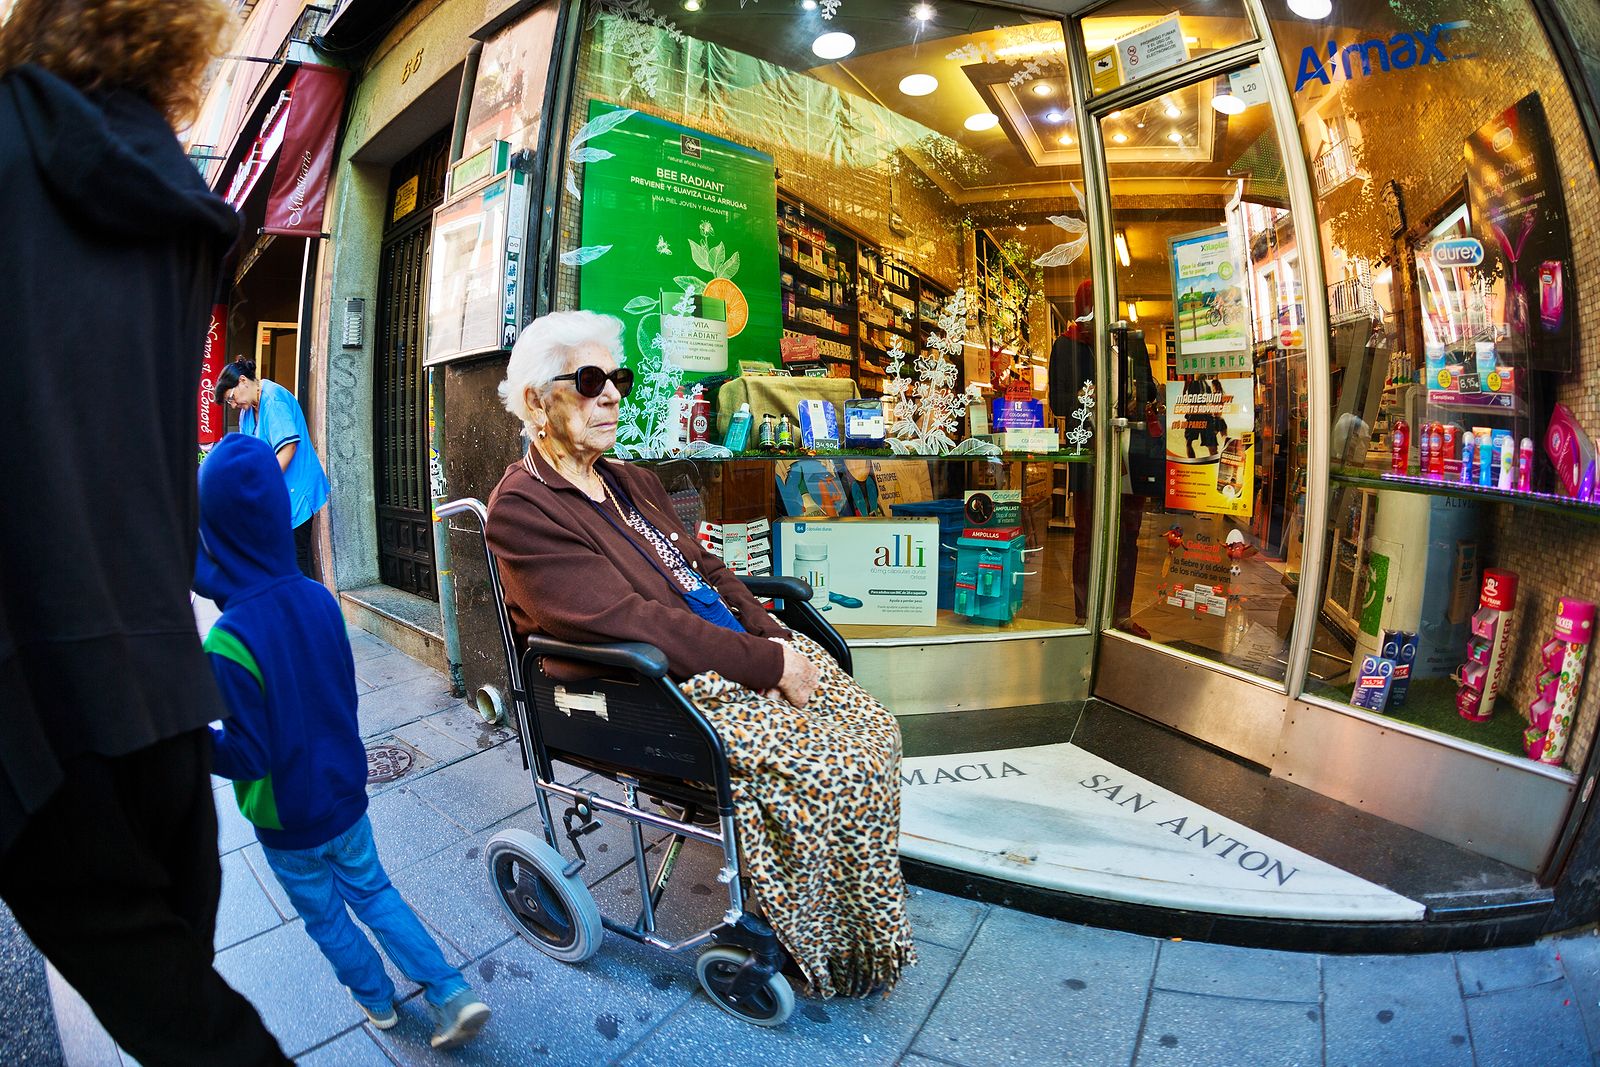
[(381, 1019), (460, 1019)]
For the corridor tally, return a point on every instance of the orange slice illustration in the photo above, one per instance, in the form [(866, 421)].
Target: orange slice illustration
[(732, 296)]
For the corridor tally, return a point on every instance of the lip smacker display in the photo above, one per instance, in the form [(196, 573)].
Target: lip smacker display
[(1489, 647), (1561, 684)]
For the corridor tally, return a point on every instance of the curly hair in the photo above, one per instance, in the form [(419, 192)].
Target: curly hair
[(157, 48)]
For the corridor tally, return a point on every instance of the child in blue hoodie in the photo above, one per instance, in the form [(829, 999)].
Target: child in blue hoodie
[(282, 659)]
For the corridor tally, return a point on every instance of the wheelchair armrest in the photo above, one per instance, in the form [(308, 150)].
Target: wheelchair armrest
[(636, 656), (777, 586)]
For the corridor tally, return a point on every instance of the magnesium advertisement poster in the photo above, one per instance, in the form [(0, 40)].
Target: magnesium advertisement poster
[(882, 572), (1212, 328), (679, 240), (1211, 445)]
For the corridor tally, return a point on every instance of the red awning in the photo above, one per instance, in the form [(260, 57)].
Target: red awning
[(296, 146)]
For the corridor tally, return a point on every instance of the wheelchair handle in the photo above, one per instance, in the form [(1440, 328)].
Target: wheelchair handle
[(782, 587), (636, 656)]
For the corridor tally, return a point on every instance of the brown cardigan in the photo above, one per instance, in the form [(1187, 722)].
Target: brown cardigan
[(569, 574)]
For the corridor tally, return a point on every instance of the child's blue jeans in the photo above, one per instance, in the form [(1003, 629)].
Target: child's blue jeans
[(322, 880)]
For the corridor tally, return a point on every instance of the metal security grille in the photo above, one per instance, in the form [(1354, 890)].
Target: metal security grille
[(400, 430)]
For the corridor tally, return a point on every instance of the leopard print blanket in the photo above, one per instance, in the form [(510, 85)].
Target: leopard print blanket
[(816, 794)]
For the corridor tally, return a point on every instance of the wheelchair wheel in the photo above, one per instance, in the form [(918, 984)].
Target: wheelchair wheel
[(556, 913), (769, 1004)]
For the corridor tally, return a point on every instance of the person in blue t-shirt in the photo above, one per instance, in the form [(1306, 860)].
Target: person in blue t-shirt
[(269, 411)]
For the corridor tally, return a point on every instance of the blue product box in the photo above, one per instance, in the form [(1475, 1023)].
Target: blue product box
[(1401, 647), (1017, 415), (1373, 683)]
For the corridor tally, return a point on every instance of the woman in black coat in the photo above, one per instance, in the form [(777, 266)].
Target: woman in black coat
[(108, 848)]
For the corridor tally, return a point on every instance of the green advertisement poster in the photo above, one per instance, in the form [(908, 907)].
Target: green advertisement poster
[(680, 241)]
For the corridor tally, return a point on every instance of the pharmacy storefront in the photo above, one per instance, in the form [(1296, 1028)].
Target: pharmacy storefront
[(1184, 410)]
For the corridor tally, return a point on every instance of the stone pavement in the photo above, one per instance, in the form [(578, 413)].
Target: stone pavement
[(994, 986)]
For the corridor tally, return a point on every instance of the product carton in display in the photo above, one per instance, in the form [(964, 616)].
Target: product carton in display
[(881, 572)]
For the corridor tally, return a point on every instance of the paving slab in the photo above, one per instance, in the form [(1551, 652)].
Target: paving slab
[(1228, 971), (364, 646), (546, 1012), (408, 829), (480, 790), (840, 1031), (233, 830), (257, 859), (244, 909), (1531, 1025), (1093, 981), (462, 722), (1579, 955), (380, 711), (1394, 1009), (303, 1012), (941, 919), (1191, 1030), (355, 1049), (1507, 968), (382, 671)]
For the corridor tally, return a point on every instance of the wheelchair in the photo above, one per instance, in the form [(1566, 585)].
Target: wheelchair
[(631, 725)]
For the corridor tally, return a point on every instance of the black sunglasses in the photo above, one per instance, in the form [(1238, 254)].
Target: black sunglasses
[(591, 381)]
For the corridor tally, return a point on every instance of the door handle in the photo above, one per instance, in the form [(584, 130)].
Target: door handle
[(1119, 424)]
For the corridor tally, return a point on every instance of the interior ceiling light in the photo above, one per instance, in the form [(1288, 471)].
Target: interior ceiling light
[(983, 120), (922, 13), (1172, 111), (918, 84), (1043, 89), (1227, 103), (1175, 137), (1133, 311), (1120, 137), (1140, 125), (809, 5), (1114, 115), (1065, 138), (834, 45), (691, 5), (1311, 9), (1055, 116), (1120, 240)]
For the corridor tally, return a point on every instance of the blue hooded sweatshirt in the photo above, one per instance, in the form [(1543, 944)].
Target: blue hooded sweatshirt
[(281, 657)]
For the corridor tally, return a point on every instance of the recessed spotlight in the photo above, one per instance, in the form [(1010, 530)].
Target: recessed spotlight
[(1120, 137), (1055, 116), (918, 84), (1139, 125), (1311, 9), (922, 13), (1043, 89), (1175, 137), (1065, 138), (1228, 104), (1172, 111), (983, 120), (834, 45), (808, 5), (1114, 115)]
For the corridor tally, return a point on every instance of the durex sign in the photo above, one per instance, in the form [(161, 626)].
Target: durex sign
[(1457, 252)]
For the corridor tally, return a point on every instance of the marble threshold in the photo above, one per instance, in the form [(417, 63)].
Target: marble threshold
[(1059, 817)]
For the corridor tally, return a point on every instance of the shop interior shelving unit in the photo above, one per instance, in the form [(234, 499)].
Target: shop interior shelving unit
[(848, 291)]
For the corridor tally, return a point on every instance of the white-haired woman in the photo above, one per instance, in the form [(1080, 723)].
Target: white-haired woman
[(590, 550)]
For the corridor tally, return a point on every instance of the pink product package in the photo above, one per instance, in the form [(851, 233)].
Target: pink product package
[(1473, 676), (1539, 715), (1467, 701), (1533, 739), (1551, 652), (1571, 453), (1478, 651), (1484, 621)]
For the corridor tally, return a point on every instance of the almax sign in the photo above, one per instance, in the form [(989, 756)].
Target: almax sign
[(1415, 48)]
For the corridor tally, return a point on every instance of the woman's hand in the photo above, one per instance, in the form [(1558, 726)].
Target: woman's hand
[(800, 677)]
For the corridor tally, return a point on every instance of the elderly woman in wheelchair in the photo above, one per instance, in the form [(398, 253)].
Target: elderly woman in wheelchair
[(590, 551)]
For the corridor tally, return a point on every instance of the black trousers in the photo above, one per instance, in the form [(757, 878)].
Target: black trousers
[(1132, 518), (116, 881), (302, 550)]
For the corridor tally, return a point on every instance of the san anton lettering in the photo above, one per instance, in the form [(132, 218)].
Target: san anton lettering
[(1252, 860), (966, 772)]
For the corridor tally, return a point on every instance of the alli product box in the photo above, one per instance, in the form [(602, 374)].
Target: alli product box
[(880, 572)]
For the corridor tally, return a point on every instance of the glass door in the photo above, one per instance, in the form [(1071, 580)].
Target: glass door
[(1206, 333)]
